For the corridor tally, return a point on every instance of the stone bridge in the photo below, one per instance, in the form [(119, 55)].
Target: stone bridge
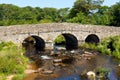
[(50, 31)]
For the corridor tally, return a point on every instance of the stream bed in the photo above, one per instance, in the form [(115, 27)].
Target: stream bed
[(72, 65)]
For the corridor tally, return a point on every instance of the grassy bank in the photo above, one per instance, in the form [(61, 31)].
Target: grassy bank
[(11, 61), (109, 46)]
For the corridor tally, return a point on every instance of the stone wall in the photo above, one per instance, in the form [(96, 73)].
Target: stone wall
[(50, 31)]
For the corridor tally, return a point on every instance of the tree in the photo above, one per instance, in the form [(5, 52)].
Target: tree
[(39, 14), (115, 13), (85, 6), (62, 14), (8, 13), (50, 13), (80, 18), (102, 16)]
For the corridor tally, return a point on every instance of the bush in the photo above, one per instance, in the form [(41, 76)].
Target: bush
[(11, 60), (88, 45), (60, 39), (109, 46), (7, 46), (103, 47)]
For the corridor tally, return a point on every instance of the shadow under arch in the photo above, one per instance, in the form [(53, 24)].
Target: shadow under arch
[(92, 38), (33, 45), (71, 41)]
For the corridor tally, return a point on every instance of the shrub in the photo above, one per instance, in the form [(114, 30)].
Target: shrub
[(109, 46), (89, 45), (103, 47), (11, 60), (60, 39)]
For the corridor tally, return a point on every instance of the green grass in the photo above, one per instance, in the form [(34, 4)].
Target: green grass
[(102, 47), (102, 72), (19, 77), (11, 60), (60, 39)]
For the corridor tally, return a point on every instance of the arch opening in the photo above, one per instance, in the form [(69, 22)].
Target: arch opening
[(68, 41), (92, 38), (33, 45)]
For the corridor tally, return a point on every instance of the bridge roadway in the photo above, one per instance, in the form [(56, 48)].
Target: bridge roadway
[(50, 31)]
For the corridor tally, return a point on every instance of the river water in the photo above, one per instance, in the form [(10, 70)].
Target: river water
[(77, 69)]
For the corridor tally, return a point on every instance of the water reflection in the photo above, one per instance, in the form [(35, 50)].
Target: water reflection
[(112, 75), (72, 77)]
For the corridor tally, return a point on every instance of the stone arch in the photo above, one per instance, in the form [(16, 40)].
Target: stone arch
[(92, 38), (33, 44), (71, 41)]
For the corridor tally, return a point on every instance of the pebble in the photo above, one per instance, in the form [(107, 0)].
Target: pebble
[(45, 57), (57, 60), (47, 72), (29, 71), (86, 55), (38, 70), (57, 64), (91, 75), (87, 52)]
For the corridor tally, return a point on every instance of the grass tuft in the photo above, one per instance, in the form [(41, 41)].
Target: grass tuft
[(11, 60), (108, 46)]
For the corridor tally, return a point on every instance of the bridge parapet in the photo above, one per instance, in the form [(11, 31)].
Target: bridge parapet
[(50, 31)]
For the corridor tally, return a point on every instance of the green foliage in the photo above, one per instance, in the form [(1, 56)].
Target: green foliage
[(45, 21), (11, 60), (102, 17), (19, 77), (11, 15), (91, 46), (6, 46), (50, 13), (80, 18), (62, 14), (59, 39), (85, 6), (83, 11), (115, 13), (2, 76), (116, 45), (103, 48), (102, 70), (102, 73)]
